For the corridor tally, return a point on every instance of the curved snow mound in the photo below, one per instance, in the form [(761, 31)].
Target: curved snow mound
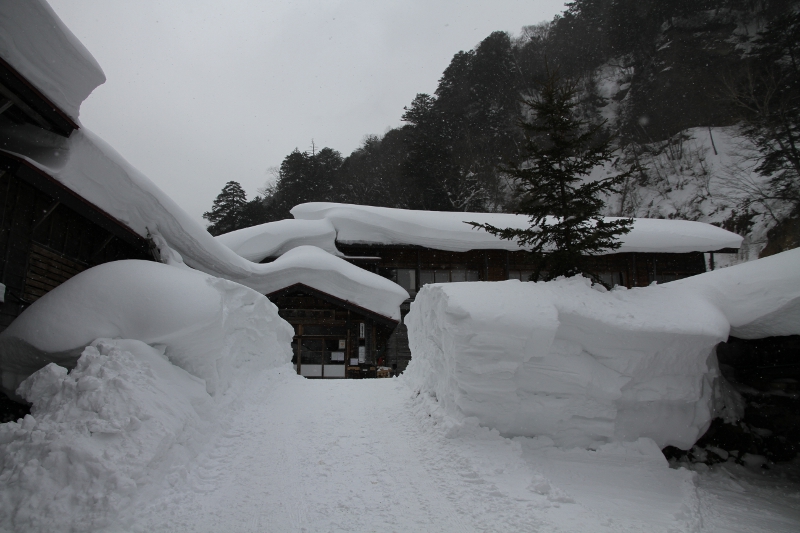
[(760, 298), (276, 238), (308, 265), (97, 435), (564, 360), (214, 329)]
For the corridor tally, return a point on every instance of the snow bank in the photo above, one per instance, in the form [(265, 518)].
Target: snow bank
[(563, 360), (760, 298), (581, 365), (448, 230), (212, 328), (97, 436), (276, 238), (88, 166), (41, 48)]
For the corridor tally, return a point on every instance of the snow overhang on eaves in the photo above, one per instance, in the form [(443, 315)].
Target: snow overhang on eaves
[(449, 231), (45, 71)]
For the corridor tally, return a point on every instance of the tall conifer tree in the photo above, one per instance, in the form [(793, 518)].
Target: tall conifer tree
[(564, 208), (226, 213)]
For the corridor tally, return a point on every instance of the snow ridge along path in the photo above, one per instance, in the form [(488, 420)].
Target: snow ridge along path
[(373, 455)]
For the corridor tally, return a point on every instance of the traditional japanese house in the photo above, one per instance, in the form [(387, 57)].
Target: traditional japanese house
[(48, 232), (414, 248)]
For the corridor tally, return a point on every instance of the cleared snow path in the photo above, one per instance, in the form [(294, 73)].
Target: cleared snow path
[(368, 455)]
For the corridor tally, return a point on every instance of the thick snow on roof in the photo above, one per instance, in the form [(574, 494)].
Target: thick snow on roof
[(87, 165), (276, 238), (760, 298), (39, 46), (448, 230)]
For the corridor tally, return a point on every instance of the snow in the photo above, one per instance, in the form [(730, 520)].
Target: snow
[(583, 366), (760, 298), (88, 166), (41, 48), (565, 361), (449, 231), (212, 328), (97, 436), (320, 270), (273, 239), (331, 468)]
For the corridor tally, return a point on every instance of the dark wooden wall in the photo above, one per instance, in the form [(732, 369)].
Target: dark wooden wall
[(48, 235), (629, 269), (313, 316)]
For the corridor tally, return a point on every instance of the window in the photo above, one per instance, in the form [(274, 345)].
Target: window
[(447, 276), (522, 275)]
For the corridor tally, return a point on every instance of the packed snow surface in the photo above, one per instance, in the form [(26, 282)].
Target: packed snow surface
[(581, 365), (210, 327), (449, 231), (88, 166), (35, 42)]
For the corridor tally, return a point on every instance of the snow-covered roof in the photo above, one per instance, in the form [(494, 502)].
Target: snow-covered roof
[(35, 42), (273, 239), (85, 164), (449, 231)]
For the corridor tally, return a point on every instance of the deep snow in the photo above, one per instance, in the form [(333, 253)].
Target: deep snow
[(583, 366), (450, 231)]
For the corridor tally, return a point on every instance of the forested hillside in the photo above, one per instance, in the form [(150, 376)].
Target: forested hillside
[(701, 96)]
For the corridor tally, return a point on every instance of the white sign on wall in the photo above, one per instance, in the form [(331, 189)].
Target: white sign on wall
[(360, 330), (362, 354), (342, 344)]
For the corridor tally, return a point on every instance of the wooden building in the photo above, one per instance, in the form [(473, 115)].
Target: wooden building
[(48, 233), (333, 338), (412, 267)]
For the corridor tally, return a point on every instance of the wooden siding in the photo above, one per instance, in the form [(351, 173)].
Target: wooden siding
[(45, 240), (321, 319)]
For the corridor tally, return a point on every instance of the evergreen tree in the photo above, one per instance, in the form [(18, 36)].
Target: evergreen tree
[(770, 97), (226, 213), (551, 187)]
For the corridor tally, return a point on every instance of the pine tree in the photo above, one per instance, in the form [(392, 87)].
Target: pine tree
[(772, 97), (226, 213), (564, 208)]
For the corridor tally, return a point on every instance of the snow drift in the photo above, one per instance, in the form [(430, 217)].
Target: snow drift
[(135, 410), (96, 436), (210, 327), (582, 365)]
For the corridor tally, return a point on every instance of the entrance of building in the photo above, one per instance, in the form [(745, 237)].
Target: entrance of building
[(320, 356)]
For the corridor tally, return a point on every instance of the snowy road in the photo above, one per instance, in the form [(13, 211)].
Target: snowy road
[(335, 456)]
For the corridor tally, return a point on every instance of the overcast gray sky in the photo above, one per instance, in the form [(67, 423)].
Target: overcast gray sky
[(202, 92)]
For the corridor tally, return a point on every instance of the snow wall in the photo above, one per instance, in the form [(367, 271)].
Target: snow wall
[(585, 366)]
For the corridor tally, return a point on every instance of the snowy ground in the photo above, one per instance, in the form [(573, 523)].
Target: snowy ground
[(371, 455)]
